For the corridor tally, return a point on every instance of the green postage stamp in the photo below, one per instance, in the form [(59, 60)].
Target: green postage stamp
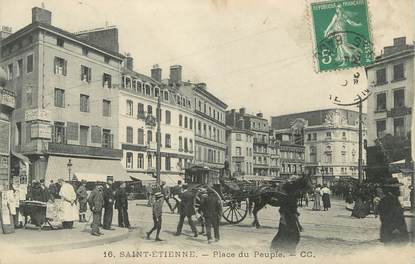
[(342, 38)]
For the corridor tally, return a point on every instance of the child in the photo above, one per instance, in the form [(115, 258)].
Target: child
[(157, 213)]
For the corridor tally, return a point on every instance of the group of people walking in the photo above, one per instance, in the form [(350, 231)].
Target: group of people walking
[(321, 194), (208, 213)]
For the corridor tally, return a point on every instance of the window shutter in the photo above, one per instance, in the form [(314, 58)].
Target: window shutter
[(89, 74), (54, 65), (82, 72), (65, 66), (72, 131)]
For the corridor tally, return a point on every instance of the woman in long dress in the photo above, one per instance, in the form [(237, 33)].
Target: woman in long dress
[(317, 196)]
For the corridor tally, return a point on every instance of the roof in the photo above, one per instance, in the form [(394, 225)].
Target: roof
[(314, 118), (59, 31), (204, 92), (139, 76)]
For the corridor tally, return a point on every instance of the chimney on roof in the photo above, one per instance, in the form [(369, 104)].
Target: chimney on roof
[(242, 110), (176, 74), (399, 41), (241, 123), (41, 15), (129, 62), (5, 32), (261, 115), (156, 73), (202, 85)]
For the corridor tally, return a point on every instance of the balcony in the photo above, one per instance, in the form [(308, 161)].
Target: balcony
[(7, 98), (260, 141), (401, 111), (62, 148)]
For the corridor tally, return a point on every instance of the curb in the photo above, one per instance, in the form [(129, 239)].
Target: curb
[(80, 244)]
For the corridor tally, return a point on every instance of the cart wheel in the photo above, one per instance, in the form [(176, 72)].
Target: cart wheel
[(234, 210)]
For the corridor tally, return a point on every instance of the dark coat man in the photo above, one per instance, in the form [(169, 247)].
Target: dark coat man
[(393, 227), (176, 191), (166, 194), (82, 196), (37, 193), (96, 203), (187, 209), (53, 191), (108, 205), (212, 213), (157, 216), (121, 204)]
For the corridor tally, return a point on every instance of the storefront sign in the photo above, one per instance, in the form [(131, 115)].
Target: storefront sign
[(41, 131), (37, 114)]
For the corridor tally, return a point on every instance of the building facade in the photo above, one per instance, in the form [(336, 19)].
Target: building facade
[(239, 152), (65, 122), (138, 126), (389, 108), (330, 139), (210, 128), (7, 104)]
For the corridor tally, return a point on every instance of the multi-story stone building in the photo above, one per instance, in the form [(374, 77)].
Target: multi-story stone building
[(137, 125), (291, 154), (66, 101), (389, 108), (330, 138), (210, 128), (7, 104), (239, 153), (258, 125)]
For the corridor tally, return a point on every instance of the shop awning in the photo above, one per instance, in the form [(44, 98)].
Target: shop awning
[(89, 169), (171, 179), (144, 177), (21, 157)]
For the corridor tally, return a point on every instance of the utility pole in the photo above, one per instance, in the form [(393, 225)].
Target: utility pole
[(360, 160), (158, 139)]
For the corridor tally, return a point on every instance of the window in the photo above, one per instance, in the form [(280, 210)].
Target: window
[(314, 136), (308, 137), (180, 144), (59, 97), (130, 107), (185, 122), (344, 135), (60, 66), (107, 139), (166, 96), (190, 145), (180, 120), (29, 64), (167, 141), (107, 59), (129, 137), (328, 135), (129, 160), (328, 157), (168, 117), (238, 151), (313, 154), (106, 80), (106, 108), (149, 136), (84, 51), (399, 98), (344, 157), (381, 76), (398, 72), (190, 123), (83, 135), (167, 163), (186, 149), (58, 132), (380, 128), (238, 137), (149, 110), (85, 74), (140, 136), (399, 127), (149, 161), (10, 71), (140, 111), (381, 102), (59, 42), (140, 161), (148, 89), (19, 68), (84, 103), (156, 92)]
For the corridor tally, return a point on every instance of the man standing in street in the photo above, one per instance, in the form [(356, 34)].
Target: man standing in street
[(157, 215), (166, 193), (187, 209), (82, 196), (177, 190), (212, 212), (121, 204), (108, 204), (96, 203)]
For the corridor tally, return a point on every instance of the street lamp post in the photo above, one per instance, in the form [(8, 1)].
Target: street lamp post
[(158, 137), (69, 166)]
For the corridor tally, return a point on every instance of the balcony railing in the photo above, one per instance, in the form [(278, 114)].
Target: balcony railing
[(401, 111), (7, 98)]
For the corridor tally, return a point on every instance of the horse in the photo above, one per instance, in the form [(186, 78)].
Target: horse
[(273, 196)]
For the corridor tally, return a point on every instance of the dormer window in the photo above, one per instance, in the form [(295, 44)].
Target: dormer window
[(166, 96), (148, 89), (139, 86), (156, 92), (59, 42), (134, 84)]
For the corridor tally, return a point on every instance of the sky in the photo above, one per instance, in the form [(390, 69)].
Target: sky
[(256, 54)]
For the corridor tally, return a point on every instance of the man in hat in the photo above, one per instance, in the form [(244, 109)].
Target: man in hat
[(121, 204), (177, 190), (108, 204), (393, 229), (166, 193), (96, 203), (187, 210), (212, 212), (82, 196), (157, 215), (200, 214)]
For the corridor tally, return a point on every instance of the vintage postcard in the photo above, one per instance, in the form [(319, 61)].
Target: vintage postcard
[(209, 131)]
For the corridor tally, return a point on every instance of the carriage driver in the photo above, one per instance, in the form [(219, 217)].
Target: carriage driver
[(212, 212)]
